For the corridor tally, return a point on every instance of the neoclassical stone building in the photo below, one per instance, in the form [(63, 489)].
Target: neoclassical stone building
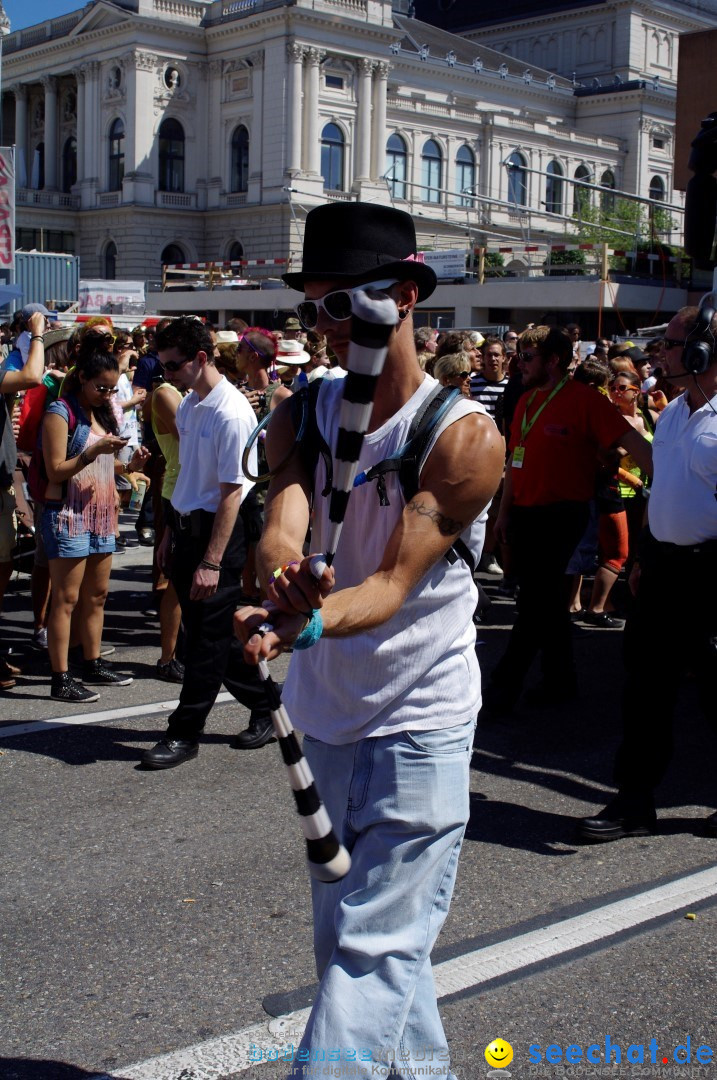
[(152, 131)]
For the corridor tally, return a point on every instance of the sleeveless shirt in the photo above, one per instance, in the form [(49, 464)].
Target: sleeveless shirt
[(417, 671)]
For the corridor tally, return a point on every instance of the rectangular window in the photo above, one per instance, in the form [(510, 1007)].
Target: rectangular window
[(335, 82), (658, 142)]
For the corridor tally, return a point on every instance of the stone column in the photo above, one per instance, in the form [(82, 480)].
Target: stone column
[(144, 165), (81, 125), (93, 135), (256, 135), (20, 92), (51, 153), (312, 148), (363, 133), (295, 58), (380, 89)]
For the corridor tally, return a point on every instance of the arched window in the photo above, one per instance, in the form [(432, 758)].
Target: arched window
[(116, 169), (554, 188), (110, 261), (236, 252), (332, 157), (607, 199), (69, 164), (396, 167), (657, 189), (465, 176), (240, 159), (581, 196), (171, 156), (431, 172), (172, 254), (517, 179)]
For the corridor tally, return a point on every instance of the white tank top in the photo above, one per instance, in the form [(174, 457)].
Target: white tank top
[(418, 671)]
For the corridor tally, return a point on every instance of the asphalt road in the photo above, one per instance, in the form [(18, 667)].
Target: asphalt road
[(148, 913)]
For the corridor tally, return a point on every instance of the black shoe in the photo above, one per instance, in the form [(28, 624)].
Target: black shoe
[(98, 671), (711, 824), (172, 671), (259, 733), (601, 619), (65, 688), (146, 537), (168, 753), (616, 822)]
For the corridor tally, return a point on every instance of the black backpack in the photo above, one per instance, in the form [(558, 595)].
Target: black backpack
[(406, 461)]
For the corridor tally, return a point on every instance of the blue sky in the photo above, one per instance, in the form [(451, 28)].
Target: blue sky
[(21, 13)]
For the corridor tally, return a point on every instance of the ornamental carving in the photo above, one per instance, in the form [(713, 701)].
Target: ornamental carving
[(146, 61), (314, 56), (295, 52), (383, 70), (366, 66)]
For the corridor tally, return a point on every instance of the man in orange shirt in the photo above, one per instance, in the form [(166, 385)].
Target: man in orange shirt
[(558, 427)]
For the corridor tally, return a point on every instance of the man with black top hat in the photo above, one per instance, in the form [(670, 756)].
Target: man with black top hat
[(675, 580), (387, 697)]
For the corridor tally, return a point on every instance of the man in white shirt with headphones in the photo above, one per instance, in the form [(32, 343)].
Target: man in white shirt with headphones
[(675, 580)]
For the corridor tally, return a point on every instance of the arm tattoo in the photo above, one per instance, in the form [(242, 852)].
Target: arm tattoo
[(446, 526)]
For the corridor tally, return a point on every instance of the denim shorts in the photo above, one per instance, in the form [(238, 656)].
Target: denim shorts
[(60, 545)]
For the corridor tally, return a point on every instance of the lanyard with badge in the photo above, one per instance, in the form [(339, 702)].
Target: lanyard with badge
[(526, 426)]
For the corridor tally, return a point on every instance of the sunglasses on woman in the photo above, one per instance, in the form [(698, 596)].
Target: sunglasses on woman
[(104, 389), (624, 389), (462, 375), (338, 305)]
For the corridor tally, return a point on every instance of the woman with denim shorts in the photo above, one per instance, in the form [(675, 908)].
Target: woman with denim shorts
[(80, 443)]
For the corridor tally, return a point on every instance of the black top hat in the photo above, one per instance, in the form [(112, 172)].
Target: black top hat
[(363, 241)]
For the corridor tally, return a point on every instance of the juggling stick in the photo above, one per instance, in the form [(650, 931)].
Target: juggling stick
[(373, 320)]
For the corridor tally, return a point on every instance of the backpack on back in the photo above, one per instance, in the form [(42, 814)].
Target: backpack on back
[(406, 461)]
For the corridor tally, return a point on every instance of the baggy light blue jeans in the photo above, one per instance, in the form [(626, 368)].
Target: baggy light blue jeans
[(400, 804)]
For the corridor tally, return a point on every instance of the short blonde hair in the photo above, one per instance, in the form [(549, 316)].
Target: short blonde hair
[(451, 364)]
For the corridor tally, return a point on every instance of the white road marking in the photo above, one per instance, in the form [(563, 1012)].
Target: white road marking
[(236, 1053), (98, 717)]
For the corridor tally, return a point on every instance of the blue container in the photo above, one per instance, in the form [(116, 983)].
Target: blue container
[(47, 278)]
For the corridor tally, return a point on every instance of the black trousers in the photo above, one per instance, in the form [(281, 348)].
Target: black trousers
[(673, 629), (212, 655), (542, 540)]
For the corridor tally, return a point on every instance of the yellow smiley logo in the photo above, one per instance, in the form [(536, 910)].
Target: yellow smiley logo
[(499, 1053)]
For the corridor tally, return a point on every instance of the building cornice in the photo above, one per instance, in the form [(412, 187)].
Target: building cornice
[(126, 29)]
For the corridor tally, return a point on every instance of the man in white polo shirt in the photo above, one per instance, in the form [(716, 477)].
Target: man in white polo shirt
[(675, 615), (214, 422)]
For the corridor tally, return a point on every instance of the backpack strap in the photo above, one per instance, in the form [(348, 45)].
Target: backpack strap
[(310, 441), (406, 461)]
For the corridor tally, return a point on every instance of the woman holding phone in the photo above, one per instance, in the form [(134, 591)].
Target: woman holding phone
[(80, 442)]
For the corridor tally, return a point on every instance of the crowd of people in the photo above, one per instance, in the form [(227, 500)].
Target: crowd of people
[(565, 439)]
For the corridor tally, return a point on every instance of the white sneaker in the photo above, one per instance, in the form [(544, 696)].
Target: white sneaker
[(490, 565)]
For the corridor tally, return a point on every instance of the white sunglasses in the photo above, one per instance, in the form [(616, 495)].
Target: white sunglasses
[(338, 305)]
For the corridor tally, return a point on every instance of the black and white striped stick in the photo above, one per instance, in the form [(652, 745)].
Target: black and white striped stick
[(375, 316)]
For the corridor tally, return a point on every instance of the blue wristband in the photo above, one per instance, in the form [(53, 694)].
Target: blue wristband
[(311, 632)]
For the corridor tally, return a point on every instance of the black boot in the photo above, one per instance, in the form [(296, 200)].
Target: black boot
[(259, 733), (168, 753)]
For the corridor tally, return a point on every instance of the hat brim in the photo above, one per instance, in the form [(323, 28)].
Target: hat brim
[(423, 275)]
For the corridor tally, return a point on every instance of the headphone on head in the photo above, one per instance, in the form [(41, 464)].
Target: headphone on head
[(700, 343)]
